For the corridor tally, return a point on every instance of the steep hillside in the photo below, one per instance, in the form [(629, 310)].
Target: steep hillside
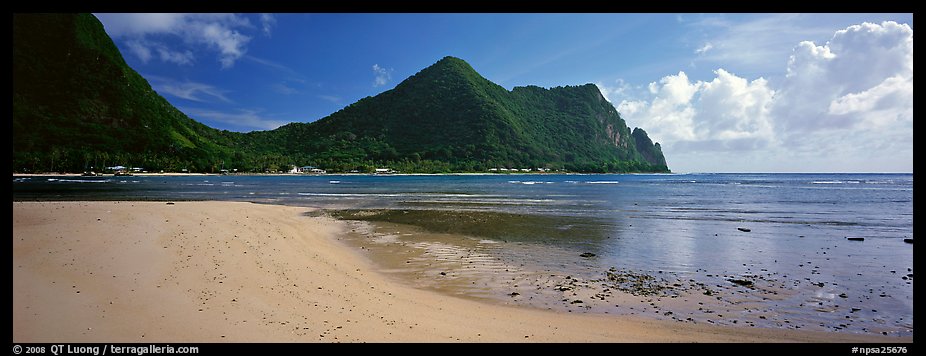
[(76, 104)]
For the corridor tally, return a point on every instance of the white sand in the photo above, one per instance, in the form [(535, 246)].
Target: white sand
[(241, 272)]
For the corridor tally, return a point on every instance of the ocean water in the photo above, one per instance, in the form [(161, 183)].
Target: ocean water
[(787, 234)]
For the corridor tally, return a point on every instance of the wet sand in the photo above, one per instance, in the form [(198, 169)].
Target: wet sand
[(537, 261), (242, 272)]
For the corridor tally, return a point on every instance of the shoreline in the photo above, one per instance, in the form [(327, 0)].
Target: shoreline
[(130, 271), (175, 174)]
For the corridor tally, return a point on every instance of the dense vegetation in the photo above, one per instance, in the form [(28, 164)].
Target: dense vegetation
[(76, 105)]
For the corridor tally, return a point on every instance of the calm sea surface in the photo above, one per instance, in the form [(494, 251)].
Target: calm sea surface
[(683, 224)]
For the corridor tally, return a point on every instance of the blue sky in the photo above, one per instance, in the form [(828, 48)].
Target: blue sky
[(720, 92)]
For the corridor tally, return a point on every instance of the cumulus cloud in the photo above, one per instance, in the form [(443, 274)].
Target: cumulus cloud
[(220, 33), (861, 78), (847, 100), (381, 75), (725, 113)]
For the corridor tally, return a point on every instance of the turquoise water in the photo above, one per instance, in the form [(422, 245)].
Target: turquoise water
[(686, 225)]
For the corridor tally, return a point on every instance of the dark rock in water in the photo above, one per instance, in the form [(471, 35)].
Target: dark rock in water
[(587, 255), (855, 238), (843, 295), (909, 241), (743, 229), (742, 282)]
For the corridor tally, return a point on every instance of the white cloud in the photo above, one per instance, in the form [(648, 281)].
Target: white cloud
[(622, 88), (245, 119), (382, 75), (290, 73), (128, 25), (727, 112), (703, 49), (144, 51), (182, 58), (889, 101), (631, 107), (846, 105), (139, 50), (267, 21), (228, 42), (753, 43), (217, 32), (864, 72), (188, 90)]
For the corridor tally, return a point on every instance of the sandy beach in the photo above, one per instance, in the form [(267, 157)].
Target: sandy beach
[(243, 272)]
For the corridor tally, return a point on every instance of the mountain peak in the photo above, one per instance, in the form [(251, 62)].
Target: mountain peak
[(450, 64), (451, 59), (449, 73)]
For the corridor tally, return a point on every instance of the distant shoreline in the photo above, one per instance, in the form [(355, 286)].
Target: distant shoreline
[(315, 175), (46, 174)]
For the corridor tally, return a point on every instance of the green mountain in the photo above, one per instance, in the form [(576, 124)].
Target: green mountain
[(77, 104), (447, 117)]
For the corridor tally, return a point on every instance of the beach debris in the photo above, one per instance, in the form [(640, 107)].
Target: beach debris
[(587, 255), (742, 282), (743, 229), (514, 294), (909, 241), (639, 284), (843, 295), (855, 238), (170, 203)]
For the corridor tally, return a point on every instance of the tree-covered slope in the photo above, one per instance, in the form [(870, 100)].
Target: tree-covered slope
[(447, 117), (77, 104)]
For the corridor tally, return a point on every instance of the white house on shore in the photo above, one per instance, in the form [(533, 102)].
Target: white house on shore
[(308, 170)]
